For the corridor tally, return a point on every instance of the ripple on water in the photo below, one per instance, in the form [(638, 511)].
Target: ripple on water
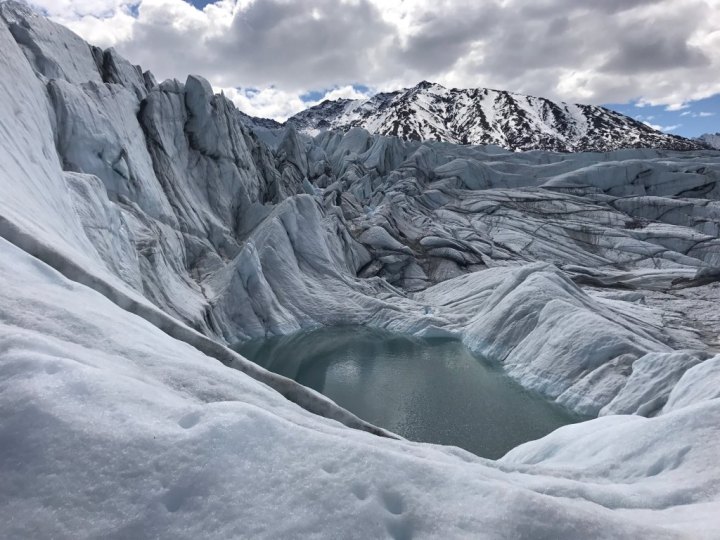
[(430, 390)]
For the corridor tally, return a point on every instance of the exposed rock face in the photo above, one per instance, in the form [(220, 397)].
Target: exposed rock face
[(430, 112), (145, 226)]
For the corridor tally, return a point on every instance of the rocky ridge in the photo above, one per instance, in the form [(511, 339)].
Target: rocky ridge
[(482, 116)]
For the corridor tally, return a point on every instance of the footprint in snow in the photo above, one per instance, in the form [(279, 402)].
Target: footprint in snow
[(189, 420)]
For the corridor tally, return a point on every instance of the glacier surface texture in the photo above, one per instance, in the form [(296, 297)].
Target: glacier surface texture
[(145, 226)]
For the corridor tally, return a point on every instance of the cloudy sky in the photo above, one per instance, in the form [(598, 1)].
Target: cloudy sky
[(658, 60)]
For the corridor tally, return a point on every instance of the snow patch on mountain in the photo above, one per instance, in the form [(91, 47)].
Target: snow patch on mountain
[(477, 116)]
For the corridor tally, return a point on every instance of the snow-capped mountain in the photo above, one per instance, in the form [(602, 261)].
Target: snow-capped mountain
[(484, 116), (710, 139)]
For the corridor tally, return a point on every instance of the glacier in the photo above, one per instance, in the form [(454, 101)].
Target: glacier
[(145, 226)]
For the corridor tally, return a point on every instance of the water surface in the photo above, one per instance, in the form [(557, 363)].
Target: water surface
[(430, 390)]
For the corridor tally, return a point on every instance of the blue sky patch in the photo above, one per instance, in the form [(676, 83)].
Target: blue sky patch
[(200, 4), (311, 96), (692, 120)]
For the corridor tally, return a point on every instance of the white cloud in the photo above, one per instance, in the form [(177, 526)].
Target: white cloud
[(104, 32), (280, 105), (663, 128), (664, 52), (676, 107), (346, 92), (265, 103), (697, 115)]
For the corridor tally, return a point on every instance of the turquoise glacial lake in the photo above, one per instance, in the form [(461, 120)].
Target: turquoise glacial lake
[(429, 390)]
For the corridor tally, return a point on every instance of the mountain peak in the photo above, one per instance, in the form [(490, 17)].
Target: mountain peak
[(423, 85), (429, 111)]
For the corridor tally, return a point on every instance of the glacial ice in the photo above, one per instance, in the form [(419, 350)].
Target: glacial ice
[(146, 226)]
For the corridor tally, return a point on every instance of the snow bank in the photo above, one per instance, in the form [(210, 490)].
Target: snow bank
[(105, 435)]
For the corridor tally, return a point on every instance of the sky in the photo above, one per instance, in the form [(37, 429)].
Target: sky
[(655, 60)]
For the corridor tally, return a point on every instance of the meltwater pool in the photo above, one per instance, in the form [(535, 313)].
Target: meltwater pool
[(430, 390)]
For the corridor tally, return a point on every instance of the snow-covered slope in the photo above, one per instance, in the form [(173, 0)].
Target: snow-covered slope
[(710, 139), (484, 116), (143, 227), (109, 436)]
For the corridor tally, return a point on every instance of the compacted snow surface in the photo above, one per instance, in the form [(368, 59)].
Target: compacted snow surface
[(144, 226)]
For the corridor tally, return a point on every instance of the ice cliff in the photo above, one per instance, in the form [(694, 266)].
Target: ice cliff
[(145, 226)]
